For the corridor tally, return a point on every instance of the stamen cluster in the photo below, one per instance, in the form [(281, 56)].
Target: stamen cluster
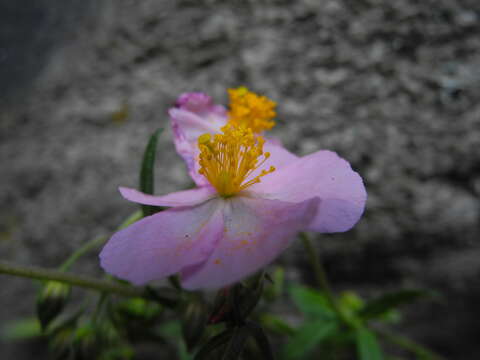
[(250, 110), (228, 159)]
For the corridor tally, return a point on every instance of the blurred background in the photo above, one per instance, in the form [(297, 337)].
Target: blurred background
[(392, 86)]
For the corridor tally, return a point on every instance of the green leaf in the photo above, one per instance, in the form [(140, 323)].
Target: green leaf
[(311, 302), (367, 345), (214, 344), (21, 329), (276, 324), (147, 171), (307, 337), (379, 306)]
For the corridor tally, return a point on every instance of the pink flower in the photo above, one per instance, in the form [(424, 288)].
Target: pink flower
[(195, 114), (245, 213)]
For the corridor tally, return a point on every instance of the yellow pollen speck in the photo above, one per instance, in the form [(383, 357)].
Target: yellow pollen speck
[(250, 110), (217, 262), (228, 159)]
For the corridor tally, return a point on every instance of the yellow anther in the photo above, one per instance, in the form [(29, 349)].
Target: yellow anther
[(205, 138), (230, 158), (250, 110)]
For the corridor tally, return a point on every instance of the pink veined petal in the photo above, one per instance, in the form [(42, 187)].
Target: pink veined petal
[(179, 198), (325, 175), (256, 232), (163, 244)]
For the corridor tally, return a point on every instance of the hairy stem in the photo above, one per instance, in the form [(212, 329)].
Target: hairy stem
[(92, 244), (39, 273)]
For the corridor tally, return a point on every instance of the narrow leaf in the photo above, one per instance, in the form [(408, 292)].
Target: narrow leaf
[(277, 325), (307, 337), (311, 302), (147, 171), (380, 305), (367, 345)]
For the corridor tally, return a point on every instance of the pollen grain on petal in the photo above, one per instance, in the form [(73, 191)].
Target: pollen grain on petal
[(250, 110)]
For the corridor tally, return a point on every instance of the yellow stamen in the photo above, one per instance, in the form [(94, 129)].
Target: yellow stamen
[(250, 110), (229, 158)]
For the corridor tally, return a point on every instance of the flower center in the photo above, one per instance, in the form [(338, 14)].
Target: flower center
[(250, 110), (228, 159)]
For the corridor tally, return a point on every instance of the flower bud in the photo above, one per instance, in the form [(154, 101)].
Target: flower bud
[(51, 301)]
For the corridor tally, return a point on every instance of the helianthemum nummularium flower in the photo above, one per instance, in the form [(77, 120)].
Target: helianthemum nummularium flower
[(196, 114), (249, 204)]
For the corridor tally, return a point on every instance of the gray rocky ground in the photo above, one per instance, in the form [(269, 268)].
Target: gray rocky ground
[(393, 86)]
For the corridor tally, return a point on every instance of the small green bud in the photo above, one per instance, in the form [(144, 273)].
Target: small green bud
[(51, 301)]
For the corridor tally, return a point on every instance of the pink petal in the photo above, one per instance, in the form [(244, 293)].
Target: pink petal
[(324, 175), (179, 198), (164, 243), (194, 115), (256, 232), (279, 156)]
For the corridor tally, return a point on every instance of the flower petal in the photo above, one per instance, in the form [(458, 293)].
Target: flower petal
[(180, 198), (164, 243), (194, 115), (279, 156), (325, 175), (256, 231)]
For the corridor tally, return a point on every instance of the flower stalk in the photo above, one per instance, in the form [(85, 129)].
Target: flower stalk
[(38, 273), (321, 275)]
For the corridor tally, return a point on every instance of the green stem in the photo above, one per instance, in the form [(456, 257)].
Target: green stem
[(321, 275), (318, 269), (96, 242), (38, 273), (408, 344)]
